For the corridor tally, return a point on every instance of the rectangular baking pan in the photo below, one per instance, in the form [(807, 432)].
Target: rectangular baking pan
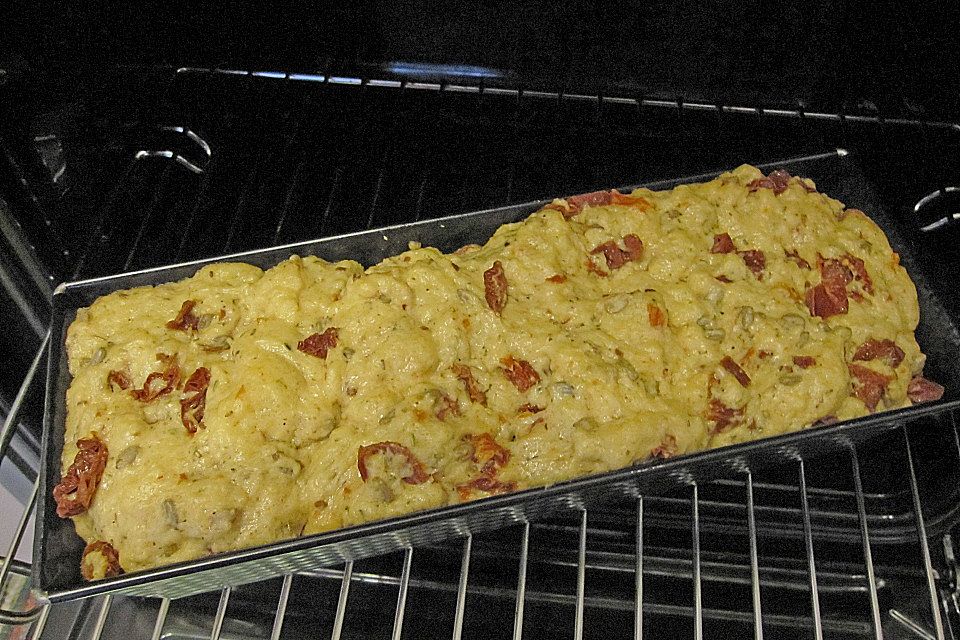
[(58, 549)]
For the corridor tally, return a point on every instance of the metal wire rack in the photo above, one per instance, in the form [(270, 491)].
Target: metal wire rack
[(852, 545)]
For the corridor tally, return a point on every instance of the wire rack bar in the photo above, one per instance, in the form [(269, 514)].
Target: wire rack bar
[(221, 614), (811, 563), (281, 607), (754, 561), (867, 552), (638, 576), (924, 546), (511, 92), (462, 587), (402, 596), (521, 584), (41, 622), (697, 584), (342, 600), (102, 617), (13, 415), (6, 436), (581, 576), (161, 618), (18, 535)]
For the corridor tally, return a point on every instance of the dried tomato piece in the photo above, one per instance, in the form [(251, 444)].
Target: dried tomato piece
[(834, 273), (446, 406), (821, 303), (755, 260), (110, 556), (318, 344), (666, 449), (629, 200), (593, 199), (495, 287), (617, 257), (185, 320), (76, 488), (722, 416), (465, 375), (794, 255), (859, 270), (193, 406), (922, 390), (417, 475), (557, 279), (869, 386), (829, 298), (594, 269), (529, 408), (487, 484), (159, 383), (119, 379), (722, 243), (520, 372), (777, 180), (487, 453), (804, 362), (886, 349), (655, 315), (825, 420), (735, 370)]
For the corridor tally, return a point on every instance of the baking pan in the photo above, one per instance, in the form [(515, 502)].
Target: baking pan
[(58, 549)]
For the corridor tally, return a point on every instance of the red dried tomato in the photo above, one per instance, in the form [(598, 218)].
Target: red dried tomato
[(722, 416), (446, 406), (922, 390), (192, 407), (185, 320), (159, 383), (655, 315), (465, 375), (119, 379), (593, 199), (489, 484), (777, 180), (318, 344), (110, 554), (722, 243), (755, 260), (417, 475), (735, 370), (487, 453), (629, 200), (617, 257), (495, 287), (520, 373), (666, 449), (886, 349), (75, 491), (869, 386)]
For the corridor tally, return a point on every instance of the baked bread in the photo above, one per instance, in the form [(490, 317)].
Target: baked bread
[(239, 407)]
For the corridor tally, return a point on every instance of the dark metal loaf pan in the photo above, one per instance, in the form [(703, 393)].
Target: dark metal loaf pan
[(58, 549)]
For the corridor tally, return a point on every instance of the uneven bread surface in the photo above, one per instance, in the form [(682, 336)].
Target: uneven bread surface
[(599, 332)]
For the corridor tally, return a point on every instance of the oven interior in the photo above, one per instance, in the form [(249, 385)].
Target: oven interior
[(140, 136)]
